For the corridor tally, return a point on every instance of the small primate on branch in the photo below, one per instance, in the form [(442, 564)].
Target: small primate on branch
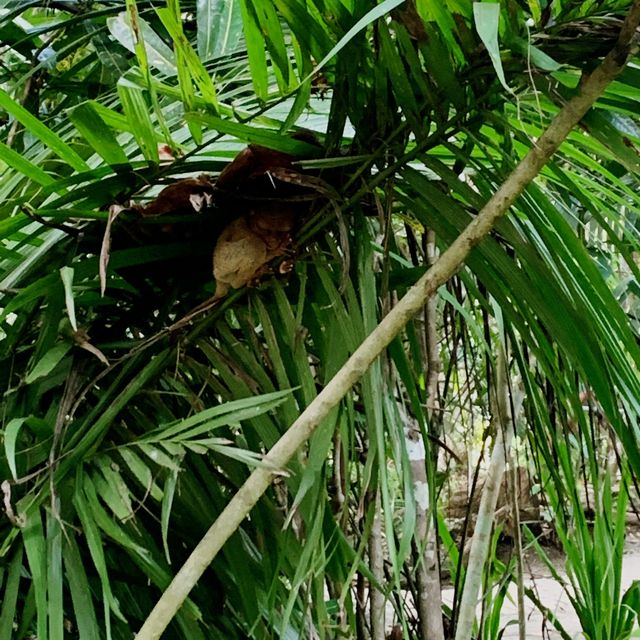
[(273, 198), (248, 244)]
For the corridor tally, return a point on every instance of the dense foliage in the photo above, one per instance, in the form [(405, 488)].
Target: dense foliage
[(126, 429)]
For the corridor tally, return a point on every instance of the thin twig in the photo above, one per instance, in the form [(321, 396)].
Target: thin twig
[(72, 231)]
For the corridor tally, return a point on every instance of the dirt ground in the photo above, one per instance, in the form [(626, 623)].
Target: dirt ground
[(552, 596)]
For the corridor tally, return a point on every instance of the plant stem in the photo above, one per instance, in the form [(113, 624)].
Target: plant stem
[(484, 522), (377, 599), (428, 570)]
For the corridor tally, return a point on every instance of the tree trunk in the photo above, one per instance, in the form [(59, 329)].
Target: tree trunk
[(504, 428), (428, 572)]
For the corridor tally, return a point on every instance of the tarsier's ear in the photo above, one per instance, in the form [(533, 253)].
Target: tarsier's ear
[(187, 196), (200, 201), (252, 162)]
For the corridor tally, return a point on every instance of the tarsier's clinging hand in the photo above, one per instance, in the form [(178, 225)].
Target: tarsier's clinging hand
[(247, 245)]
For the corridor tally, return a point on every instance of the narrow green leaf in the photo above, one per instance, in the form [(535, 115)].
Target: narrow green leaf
[(11, 432), (106, 411), (10, 596), (31, 292), (287, 331), (277, 355), (219, 27), (443, 19), (271, 29), (113, 489), (120, 535), (113, 119), (304, 566), (158, 456), (54, 576), (169, 491), (36, 548), (264, 425), (137, 30), (377, 12), (437, 58), (255, 50), (85, 615), (97, 134), (300, 103), (247, 457), (319, 450), (538, 57), (401, 83), (22, 165), (602, 127), (420, 81), (199, 75), (96, 549), (141, 472), (41, 131), (486, 16), (255, 135), (226, 413), (48, 362), (159, 55), (132, 18), (136, 109), (66, 273)]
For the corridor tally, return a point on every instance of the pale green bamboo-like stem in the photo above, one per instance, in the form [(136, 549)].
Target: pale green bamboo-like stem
[(481, 541), (390, 326)]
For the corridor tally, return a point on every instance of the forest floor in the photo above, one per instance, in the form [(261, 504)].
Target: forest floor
[(552, 596), (550, 593)]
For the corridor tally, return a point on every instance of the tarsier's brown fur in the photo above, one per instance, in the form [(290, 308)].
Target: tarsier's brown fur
[(248, 244)]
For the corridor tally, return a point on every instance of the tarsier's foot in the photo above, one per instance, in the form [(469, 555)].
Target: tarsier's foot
[(286, 266), (222, 288)]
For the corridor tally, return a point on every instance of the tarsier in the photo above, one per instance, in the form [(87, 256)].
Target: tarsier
[(248, 244), (259, 200)]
